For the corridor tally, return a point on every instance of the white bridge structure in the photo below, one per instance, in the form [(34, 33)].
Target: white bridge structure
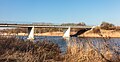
[(32, 26)]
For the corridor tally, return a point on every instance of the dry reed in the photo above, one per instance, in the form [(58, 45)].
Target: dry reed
[(87, 51), (15, 50)]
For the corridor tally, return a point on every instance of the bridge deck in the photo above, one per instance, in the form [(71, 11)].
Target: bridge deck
[(40, 26)]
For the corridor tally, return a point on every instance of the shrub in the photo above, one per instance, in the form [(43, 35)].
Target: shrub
[(96, 30), (106, 26)]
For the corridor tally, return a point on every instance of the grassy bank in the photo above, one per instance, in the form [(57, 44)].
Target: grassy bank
[(15, 50)]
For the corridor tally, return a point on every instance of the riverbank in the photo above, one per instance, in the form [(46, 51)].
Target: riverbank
[(102, 33), (90, 33)]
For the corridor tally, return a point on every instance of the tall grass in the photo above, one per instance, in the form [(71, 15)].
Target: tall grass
[(85, 50), (88, 51), (15, 50)]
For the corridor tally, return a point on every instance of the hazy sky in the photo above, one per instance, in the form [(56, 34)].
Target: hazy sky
[(92, 12)]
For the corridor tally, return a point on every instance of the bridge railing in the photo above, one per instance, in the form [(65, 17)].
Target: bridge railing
[(41, 26)]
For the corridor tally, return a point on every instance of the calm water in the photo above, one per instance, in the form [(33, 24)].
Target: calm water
[(97, 42)]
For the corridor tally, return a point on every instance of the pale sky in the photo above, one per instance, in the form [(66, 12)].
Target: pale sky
[(92, 12)]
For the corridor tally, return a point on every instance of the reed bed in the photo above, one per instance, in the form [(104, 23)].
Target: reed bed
[(92, 51), (85, 50), (15, 50)]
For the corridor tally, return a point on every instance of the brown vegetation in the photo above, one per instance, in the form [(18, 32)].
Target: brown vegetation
[(107, 26), (86, 52), (15, 50)]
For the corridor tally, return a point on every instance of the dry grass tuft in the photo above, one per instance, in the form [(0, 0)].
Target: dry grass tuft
[(15, 50), (87, 52)]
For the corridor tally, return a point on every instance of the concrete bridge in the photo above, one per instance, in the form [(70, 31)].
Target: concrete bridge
[(32, 26), (41, 26)]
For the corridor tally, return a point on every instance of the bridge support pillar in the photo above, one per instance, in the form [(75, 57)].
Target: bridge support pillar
[(67, 33), (30, 33)]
